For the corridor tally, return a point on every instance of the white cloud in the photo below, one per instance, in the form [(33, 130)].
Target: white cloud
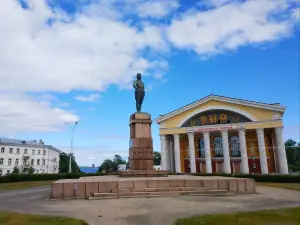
[(156, 9), (230, 26), (88, 98), (90, 52), (217, 3), (23, 113)]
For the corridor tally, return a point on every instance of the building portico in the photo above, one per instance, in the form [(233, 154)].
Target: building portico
[(226, 138)]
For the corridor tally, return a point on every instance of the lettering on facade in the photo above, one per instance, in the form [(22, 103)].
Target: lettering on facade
[(212, 117)]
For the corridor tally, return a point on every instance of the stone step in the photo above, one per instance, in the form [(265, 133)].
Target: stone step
[(128, 190), (159, 194)]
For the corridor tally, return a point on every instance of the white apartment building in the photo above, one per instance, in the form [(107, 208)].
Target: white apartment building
[(25, 154)]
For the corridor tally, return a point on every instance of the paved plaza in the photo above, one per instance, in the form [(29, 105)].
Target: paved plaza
[(144, 211)]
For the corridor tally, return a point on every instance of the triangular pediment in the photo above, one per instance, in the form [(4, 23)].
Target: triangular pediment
[(248, 110)]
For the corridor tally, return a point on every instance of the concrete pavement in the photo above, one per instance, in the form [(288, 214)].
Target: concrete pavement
[(145, 211)]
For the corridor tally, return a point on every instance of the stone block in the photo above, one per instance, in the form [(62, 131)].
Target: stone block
[(105, 195), (91, 187), (125, 184), (68, 190), (250, 186), (177, 183), (139, 184), (241, 185), (145, 143), (121, 190), (166, 193), (223, 184), (193, 183), (107, 186), (187, 188), (56, 190), (232, 185), (158, 183), (211, 184), (142, 116), (175, 189), (79, 188)]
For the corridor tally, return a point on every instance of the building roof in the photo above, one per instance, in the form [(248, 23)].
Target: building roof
[(272, 106), (34, 143)]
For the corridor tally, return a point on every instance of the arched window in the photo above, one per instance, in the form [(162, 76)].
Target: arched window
[(201, 148), (218, 147), (235, 146)]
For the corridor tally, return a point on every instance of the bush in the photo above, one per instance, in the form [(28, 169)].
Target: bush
[(276, 178), (41, 177)]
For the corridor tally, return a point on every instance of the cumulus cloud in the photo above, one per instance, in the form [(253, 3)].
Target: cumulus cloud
[(88, 98), (230, 26), (156, 9), (23, 113)]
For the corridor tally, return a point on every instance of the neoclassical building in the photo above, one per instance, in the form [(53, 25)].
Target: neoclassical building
[(222, 134)]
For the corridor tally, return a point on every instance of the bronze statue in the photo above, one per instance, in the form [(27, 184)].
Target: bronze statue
[(139, 92)]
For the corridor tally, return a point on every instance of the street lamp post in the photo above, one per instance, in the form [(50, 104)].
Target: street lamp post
[(70, 161)]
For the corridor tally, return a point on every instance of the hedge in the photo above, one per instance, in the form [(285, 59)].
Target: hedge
[(275, 178), (41, 177)]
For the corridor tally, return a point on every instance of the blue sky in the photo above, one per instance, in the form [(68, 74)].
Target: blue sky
[(63, 60)]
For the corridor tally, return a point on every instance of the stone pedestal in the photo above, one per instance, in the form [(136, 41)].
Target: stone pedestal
[(141, 148)]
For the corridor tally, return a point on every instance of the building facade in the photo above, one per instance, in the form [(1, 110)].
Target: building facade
[(218, 134), (25, 154)]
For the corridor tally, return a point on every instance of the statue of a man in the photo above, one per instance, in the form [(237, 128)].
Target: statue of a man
[(139, 92)]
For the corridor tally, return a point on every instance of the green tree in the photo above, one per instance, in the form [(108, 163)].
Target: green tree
[(31, 170), (111, 165), (64, 160), (156, 158), (293, 154), (16, 170)]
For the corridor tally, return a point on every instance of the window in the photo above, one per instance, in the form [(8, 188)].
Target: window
[(17, 162), (25, 151), (1, 161), (218, 147), (10, 150), (33, 152), (18, 151), (44, 162), (32, 162), (235, 146), (39, 152), (8, 171), (2, 150), (24, 162), (38, 162), (0, 172), (9, 162), (44, 152), (201, 148), (254, 165)]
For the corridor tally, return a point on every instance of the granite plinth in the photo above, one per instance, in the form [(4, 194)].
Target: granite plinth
[(143, 173)]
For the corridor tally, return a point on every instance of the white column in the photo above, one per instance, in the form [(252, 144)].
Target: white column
[(243, 148), (226, 165), (167, 154), (207, 152), (171, 148), (281, 153), (177, 153), (262, 150), (163, 152), (192, 152)]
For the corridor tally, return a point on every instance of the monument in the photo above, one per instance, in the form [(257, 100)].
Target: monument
[(140, 143)]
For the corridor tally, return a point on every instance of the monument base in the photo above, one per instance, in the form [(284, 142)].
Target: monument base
[(143, 173)]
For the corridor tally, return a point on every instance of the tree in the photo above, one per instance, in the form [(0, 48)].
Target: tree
[(31, 170), (16, 170), (64, 160), (111, 165), (293, 154), (156, 158)]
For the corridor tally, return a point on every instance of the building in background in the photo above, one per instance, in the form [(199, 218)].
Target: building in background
[(25, 154), (219, 134)]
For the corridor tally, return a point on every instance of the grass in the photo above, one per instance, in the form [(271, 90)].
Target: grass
[(25, 219), (25, 184), (266, 217), (291, 186)]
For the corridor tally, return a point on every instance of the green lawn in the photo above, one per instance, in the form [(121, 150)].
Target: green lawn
[(25, 184), (267, 217), (291, 186), (25, 219)]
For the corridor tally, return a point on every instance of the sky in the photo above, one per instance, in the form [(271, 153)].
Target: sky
[(63, 61)]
